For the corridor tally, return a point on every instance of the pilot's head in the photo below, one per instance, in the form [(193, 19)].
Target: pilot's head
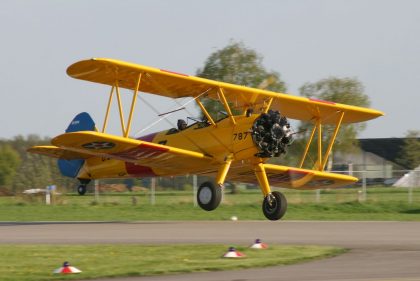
[(181, 124)]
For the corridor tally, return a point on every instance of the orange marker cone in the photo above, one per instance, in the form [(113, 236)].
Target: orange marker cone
[(259, 245), (232, 253), (67, 269)]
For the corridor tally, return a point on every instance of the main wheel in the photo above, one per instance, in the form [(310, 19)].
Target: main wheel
[(209, 196), (81, 189), (274, 206)]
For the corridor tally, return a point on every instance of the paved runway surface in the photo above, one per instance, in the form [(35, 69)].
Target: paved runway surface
[(386, 251)]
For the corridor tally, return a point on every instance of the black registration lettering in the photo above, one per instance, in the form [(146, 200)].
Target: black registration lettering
[(240, 136)]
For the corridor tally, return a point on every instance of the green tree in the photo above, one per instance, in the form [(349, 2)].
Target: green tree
[(341, 90), (410, 153), (35, 171), (239, 65), (9, 162)]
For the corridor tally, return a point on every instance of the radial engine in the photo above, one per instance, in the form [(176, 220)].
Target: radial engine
[(272, 134)]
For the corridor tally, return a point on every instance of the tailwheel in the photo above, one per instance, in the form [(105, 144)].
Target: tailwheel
[(209, 196), (81, 189), (274, 206)]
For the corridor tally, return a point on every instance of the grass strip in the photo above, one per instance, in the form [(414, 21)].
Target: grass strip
[(342, 204), (37, 262), (382, 211)]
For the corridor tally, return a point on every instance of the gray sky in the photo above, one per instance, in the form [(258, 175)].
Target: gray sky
[(377, 42)]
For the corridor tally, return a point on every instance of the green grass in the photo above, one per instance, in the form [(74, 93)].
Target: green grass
[(37, 262), (341, 204)]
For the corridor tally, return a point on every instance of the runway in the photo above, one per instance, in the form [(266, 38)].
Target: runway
[(378, 250)]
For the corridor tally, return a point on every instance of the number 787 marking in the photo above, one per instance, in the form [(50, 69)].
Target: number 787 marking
[(240, 136)]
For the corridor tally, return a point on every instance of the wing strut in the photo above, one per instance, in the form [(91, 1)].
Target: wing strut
[(226, 105), (319, 128), (133, 104), (206, 113), (322, 160), (267, 105), (111, 94), (327, 153), (120, 107), (115, 88), (307, 147)]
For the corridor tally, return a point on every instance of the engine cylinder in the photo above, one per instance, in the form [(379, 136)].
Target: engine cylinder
[(271, 134)]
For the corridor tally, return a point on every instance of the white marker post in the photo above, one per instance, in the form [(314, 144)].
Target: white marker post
[(48, 191), (47, 196), (97, 191)]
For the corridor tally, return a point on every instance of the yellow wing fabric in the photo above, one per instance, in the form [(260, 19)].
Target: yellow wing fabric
[(176, 85), (131, 150), (294, 178), (56, 152)]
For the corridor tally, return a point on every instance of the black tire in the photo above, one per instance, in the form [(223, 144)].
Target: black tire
[(277, 208), (209, 196), (81, 189)]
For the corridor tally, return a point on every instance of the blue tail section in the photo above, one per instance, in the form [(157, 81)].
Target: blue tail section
[(82, 122), (70, 168)]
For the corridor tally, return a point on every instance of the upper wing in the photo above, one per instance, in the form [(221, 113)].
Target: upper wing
[(289, 177), (160, 157), (176, 85)]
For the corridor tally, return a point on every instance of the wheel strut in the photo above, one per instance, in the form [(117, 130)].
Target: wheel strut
[(270, 198)]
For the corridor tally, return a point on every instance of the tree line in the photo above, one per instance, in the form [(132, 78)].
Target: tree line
[(20, 170)]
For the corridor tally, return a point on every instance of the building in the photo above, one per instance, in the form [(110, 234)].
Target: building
[(377, 160)]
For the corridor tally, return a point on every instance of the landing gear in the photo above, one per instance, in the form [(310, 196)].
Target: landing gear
[(209, 196), (82, 188), (274, 206)]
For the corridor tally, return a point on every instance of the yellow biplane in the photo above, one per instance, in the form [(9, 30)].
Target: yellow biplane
[(235, 148)]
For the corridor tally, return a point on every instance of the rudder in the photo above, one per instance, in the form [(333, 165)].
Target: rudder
[(81, 122)]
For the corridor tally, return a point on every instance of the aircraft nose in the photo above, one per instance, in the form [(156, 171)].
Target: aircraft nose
[(272, 134)]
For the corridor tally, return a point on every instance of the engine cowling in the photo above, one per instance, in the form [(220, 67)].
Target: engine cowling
[(272, 134)]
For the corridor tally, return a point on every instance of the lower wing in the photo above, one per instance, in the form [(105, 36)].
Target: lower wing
[(290, 177), (57, 152), (137, 152)]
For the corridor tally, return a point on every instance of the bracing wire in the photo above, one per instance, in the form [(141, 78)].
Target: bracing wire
[(164, 117)]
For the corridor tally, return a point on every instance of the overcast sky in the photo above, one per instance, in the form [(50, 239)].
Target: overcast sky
[(377, 42)]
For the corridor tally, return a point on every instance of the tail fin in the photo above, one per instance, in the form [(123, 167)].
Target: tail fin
[(82, 122)]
